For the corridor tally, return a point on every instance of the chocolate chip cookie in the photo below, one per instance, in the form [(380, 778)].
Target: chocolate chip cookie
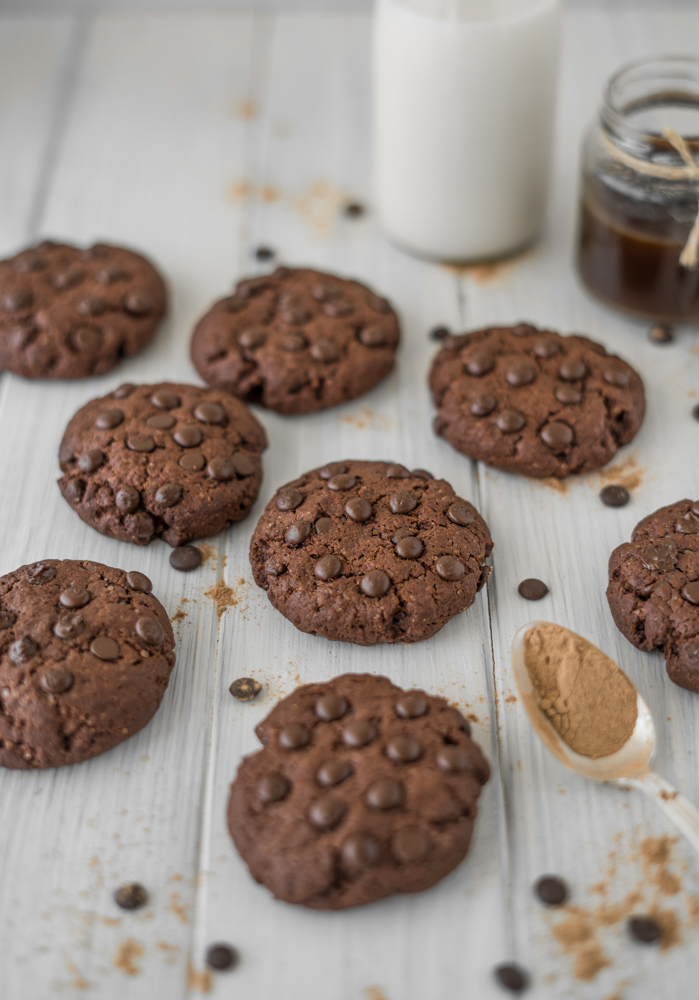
[(86, 653), (362, 790), (297, 341), (534, 402), (162, 461), (70, 313), (653, 590), (369, 552)]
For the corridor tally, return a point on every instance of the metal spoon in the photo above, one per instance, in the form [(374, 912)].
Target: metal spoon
[(628, 767)]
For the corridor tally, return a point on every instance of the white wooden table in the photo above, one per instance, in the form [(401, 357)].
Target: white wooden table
[(198, 137)]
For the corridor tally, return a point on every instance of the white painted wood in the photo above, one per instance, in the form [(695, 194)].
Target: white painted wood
[(162, 122)]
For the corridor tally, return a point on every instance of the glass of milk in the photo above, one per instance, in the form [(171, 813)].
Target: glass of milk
[(464, 94)]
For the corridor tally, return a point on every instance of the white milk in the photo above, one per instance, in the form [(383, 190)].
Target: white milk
[(463, 113)]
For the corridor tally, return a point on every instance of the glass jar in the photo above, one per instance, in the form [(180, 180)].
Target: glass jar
[(639, 198)]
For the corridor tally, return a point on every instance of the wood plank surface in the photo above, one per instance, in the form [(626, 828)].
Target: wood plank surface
[(196, 137)]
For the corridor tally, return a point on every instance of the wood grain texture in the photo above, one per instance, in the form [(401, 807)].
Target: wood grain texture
[(196, 138)]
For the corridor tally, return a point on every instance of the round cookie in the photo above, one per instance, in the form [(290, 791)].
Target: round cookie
[(162, 461), (534, 402), (297, 341), (653, 590), (362, 790), (368, 552), (86, 653), (70, 313)]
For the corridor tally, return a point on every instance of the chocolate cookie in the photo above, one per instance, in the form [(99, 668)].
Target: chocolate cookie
[(297, 341), (653, 590), (162, 461), (533, 402), (70, 313), (362, 790), (86, 653), (368, 552)]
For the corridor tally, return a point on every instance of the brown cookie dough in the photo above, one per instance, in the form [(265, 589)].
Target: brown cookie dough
[(368, 552), (162, 461), (362, 790), (297, 341), (653, 590), (86, 653), (70, 313), (534, 402)]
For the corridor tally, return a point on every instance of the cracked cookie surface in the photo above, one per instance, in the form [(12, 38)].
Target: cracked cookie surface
[(653, 590), (534, 402), (86, 653), (362, 790), (71, 313), (297, 341), (168, 461), (368, 552)]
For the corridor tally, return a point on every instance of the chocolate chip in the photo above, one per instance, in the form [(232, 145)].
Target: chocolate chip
[(403, 749), (245, 688), (645, 929), (403, 502), (481, 406), (67, 279), (294, 342), (453, 758), (409, 547), (379, 305), (689, 524), (91, 460), (459, 513), (551, 890), (374, 336), (57, 680), (659, 557), (330, 707), (532, 589), (264, 253), (341, 482), (572, 369), (124, 390), (294, 315), (289, 500), (111, 274), (189, 436), (243, 464), (375, 583), (411, 705), (691, 592), (510, 421), (273, 567), (185, 558), (439, 332), (333, 772), (165, 399), (332, 469), (273, 788), (19, 298), (75, 597), (323, 524), (105, 648), (397, 472), (40, 573), (328, 567), (449, 568), (140, 442), (522, 373), (222, 957), (150, 630), (86, 339), (661, 333), (297, 532), (359, 509), (338, 308), (221, 469), (512, 977), (139, 581), (359, 851), (568, 395), (353, 210), (386, 793), (22, 650), (410, 844), (210, 413), (294, 736), (108, 419), (544, 347), (169, 494), (69, 627), (324, 351), (138, 303), (359, 733), (131, 896), (479, 363), (557, 436), (92, 305), (615, 496), (325, 813), (127, 499), (617, 377), (192, 461)]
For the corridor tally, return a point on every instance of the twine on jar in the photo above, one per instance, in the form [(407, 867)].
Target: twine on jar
[(690, 171)]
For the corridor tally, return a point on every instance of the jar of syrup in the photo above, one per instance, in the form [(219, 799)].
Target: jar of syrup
[(640, 193)]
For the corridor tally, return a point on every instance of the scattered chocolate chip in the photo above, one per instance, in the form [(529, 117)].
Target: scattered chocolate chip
[(222, 957), (297, 532), (644, 929), (521, 373), (189, 436), (326, 812), (221, 469), (127, 499), (294, 736), (150, 630), (323, 524), (264, 253), (245, 688), (57, 680), (479, 363), (341, 482), (410, 844), (569, 395), (512, 977), (509, 421), (273, 788), (411, 705), (358, 733), (210, 413), (373, 336), (451, 758), (141, 442), (105, 648), (289, 499), (551, 890), (403, 749), (354, 210), (192, 461), (482, 405), (333, 772), (324, 351), (328, 567), (449, 568), (409, 547), (138, 303), (131, 896), (532, 589), (439, 332), (572, 369), (376, 583), (616, 377), (615, 496), (385, 793), (139, 581), (358, 509), (252, 338), (109, 418), (557, 436), (169, 494), (75, 597), (661, 333), (22, 650), (360, 851), (330, 707), (690, 592), (91, 460), (403, 502)]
